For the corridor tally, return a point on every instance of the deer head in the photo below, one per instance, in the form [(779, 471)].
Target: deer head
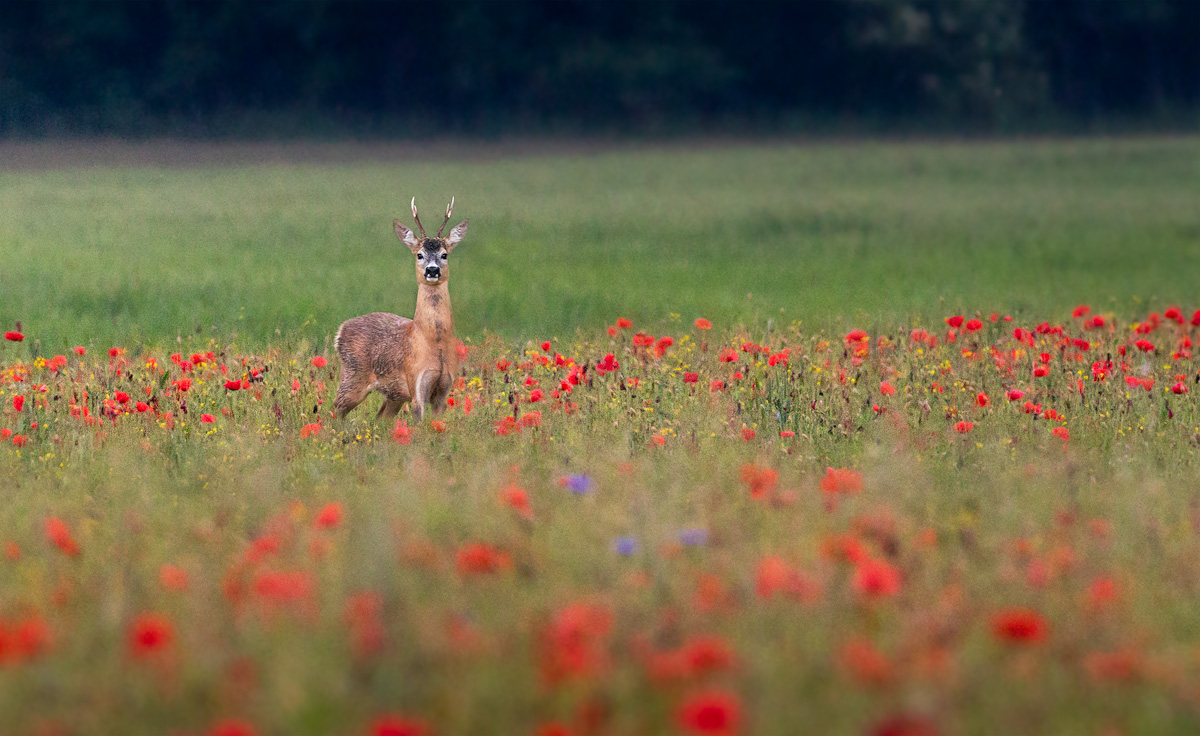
[(432, 254)]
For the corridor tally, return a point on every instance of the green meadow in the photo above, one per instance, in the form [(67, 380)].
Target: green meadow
[(823, 233), (821, 483)]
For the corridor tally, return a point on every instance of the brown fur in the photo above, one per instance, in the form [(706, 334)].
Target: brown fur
[(404, 359)]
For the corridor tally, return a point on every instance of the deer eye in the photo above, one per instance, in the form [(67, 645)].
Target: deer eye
[(444, 255), (420, 256)]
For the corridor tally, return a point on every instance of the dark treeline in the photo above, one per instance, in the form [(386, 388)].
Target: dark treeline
[(474, 66)]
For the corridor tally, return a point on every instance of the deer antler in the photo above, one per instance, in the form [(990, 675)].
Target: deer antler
[(449, 209), (418, 220)]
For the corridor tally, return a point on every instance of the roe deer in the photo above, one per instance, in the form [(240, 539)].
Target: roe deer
[(405, 359)]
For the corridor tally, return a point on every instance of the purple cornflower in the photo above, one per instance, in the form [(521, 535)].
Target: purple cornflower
[(625, 546), (579, 483)]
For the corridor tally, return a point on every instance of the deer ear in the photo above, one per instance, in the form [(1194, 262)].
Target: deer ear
[(456, 235), (406, 236)]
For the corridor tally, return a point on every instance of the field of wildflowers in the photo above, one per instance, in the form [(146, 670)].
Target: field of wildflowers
[(978, 525)]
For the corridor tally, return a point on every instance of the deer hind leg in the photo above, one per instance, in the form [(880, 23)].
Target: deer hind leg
[(351, 391), (395, 397)]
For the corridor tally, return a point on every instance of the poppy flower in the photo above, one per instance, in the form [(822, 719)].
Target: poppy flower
[(574, 644), (887, 389), (13, 336), (623, 323), (787, 434), (517, 499), (717, 385), (1062, 433), (394, 725), (319, 361), (841, 480), (173, 578), (963, 427), (710, 713), (691, 377), (973, 325), (876, 579), (18, 402), (760, 481), (1179, 388), (982, 400), (232, 728), (233, 385), (535, 395), (955, 322), (747, 434), (477, 558), (207, 418), (702, 324), (1019, 626), (150, 635), (1015, 394), (310, 429), (329, 517), (183, 384), (402, 434), (437, 425), (60, 536), (1081, 311)]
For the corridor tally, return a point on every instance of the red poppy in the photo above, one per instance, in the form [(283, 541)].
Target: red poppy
[(623, 323), (13, 336), (963, 427), (973, 325), (183, 384), (982, 400), (476, 558), (402, 434), (232, 728), (1019, 626), (173, 578), (150, 635), (329, 517), (760, 481), (876, 579), (887, 389), (18, 402), (691, 377), (787, 433), (516, 498), (710, 713), (233, 385), (1081, 311), (310, 429), (393, 725), (747, 434), (703, 324), (955, 322), (1015, 394), (60, 536), (841, 480), (1062, 433), (207, 418), (717, 385), (319, 361), (574, 643)]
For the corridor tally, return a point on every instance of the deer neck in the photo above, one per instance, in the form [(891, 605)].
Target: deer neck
[(432, 318)]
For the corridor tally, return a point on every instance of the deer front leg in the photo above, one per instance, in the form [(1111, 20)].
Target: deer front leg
[(426, 384)]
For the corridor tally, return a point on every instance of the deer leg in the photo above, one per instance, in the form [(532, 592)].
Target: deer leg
[(424, 390), (351, 391), (390, 408)]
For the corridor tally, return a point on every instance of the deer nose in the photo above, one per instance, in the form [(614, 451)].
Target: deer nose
[(433, 272)]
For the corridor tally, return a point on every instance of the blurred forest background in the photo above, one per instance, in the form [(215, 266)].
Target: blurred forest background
[(479, 68)]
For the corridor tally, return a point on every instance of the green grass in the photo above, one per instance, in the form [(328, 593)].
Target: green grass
[(871, 232)]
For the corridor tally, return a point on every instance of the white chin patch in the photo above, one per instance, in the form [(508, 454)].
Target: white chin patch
[(430, 281)]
